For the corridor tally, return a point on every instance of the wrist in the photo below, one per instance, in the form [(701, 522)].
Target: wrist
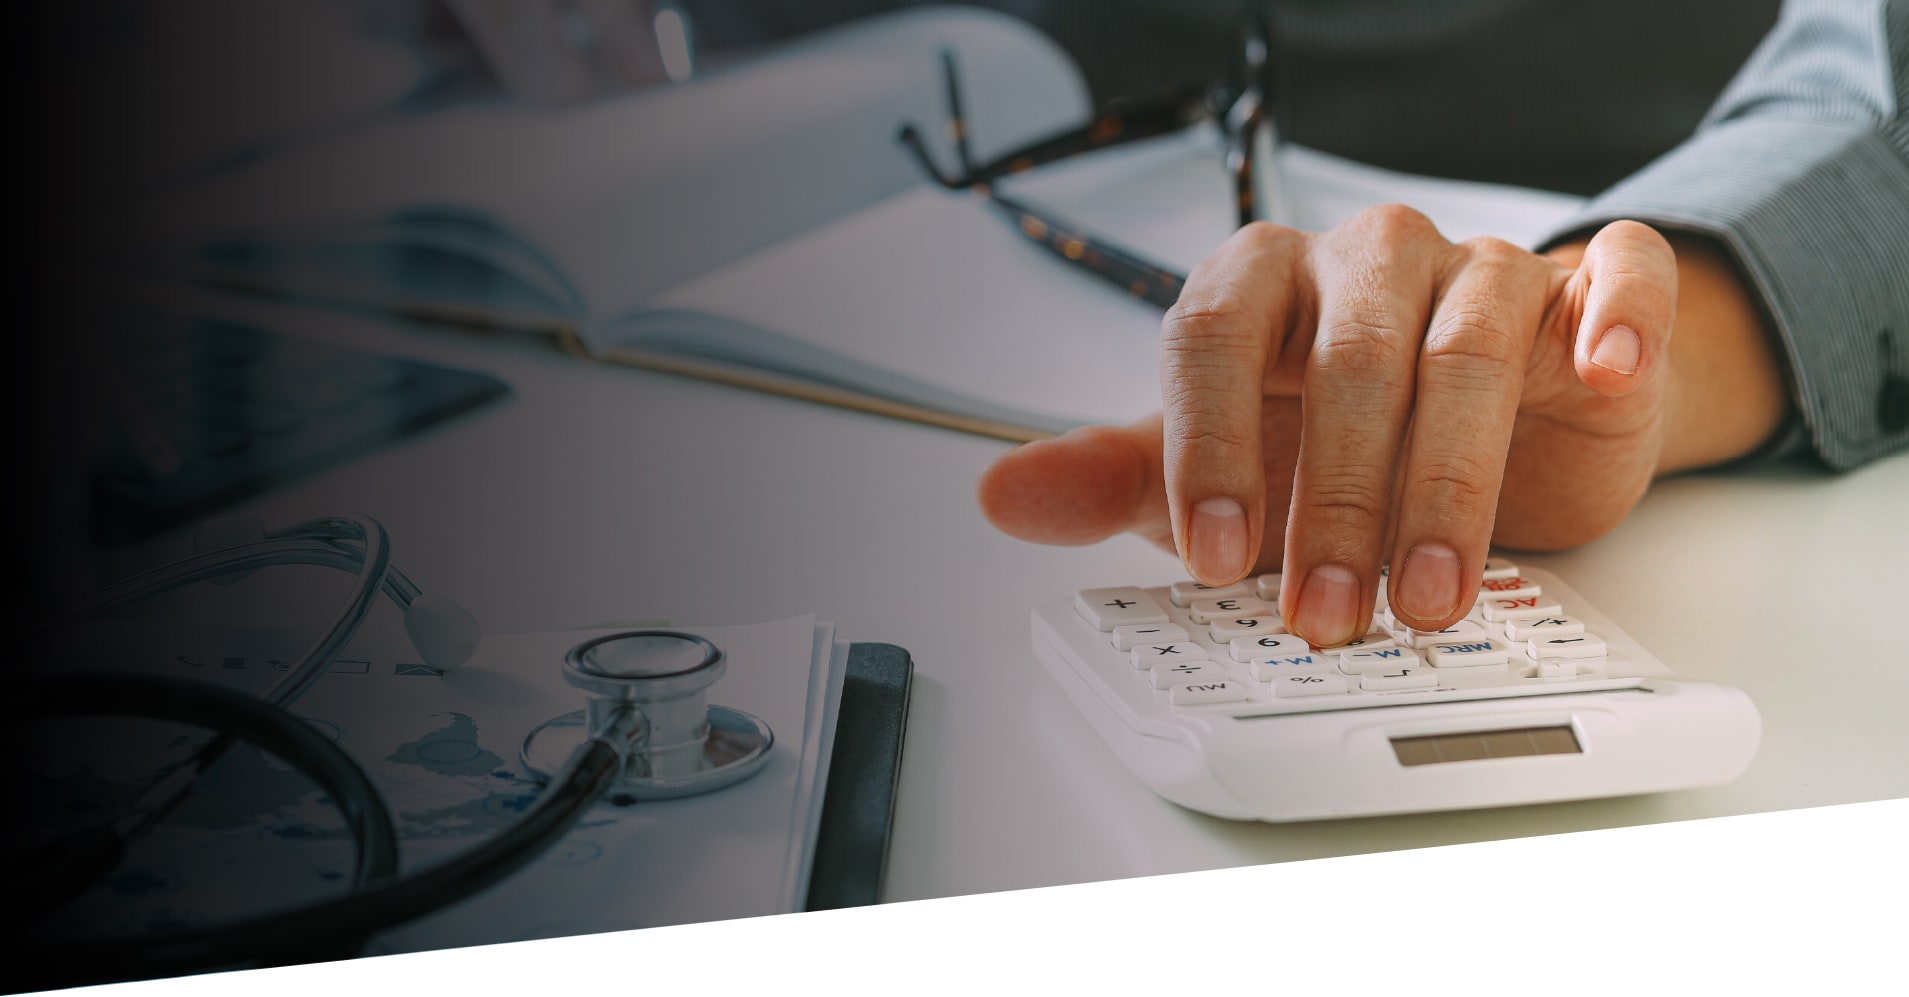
[(1727, 394)]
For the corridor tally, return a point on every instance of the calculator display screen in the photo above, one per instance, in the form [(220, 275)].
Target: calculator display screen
[(1433, 749)]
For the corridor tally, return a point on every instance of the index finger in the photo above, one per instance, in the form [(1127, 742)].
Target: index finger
[(1214, 345)]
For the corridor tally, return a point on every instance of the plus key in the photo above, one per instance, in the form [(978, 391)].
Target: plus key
[(1117, 607)]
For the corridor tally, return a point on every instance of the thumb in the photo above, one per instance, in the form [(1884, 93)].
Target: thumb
[(1629, 276), (1081, 487)]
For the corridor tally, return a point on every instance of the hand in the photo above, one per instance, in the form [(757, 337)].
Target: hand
[(1377, 394)]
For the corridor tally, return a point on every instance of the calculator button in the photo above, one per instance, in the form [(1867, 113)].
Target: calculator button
[(1497, 568), (1526, 628), (1224, 631), (1463, 630), (1208, 610), (1269, 669), (1499, 609), (1556, 668), (1185, 594), (1267, 587), (1173, 653), (1515, 587), (1389, 659), (1582, 645), (1133, 635), (1168, 676), (1251, 648), (1372, 641), (1405, 678), (1206, 692), (1295, 686), (1116, 607), (1468, 654)]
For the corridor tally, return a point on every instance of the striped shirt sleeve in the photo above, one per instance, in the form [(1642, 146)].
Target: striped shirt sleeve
[(1801, 170)]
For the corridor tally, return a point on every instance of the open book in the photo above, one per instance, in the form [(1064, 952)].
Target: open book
[(763, 227)]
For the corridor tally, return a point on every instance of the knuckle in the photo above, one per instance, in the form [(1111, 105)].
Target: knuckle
[(1197, 419), (1216, 439), (1359, 344), (1193, 366), (1264, 237), (1654, 301), (1638, 234), (1195, 334), (1396, 223), (1346, 497), (1457, 482), (1471, 340), (1633, 250), (1490, 249), (1199, 407)]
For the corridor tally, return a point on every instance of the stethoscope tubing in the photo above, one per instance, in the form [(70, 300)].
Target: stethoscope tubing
[(329, 929), (380, 898), (53, 875)]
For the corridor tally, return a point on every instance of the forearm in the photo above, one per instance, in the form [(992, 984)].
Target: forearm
[(1726, 395)]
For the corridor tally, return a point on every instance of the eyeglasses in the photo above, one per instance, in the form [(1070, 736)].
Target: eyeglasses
[(1239, 110)]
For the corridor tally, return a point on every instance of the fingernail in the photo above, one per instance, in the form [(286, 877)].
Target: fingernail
[(1216, 540), (1428, 587), (1329, 605), (1618, 349)]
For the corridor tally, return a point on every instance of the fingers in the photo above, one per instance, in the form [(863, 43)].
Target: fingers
[(1410, 382), (1629, 282), (1376, 279), (1214, 344), (1470, 373), (1092, 483), (1080, 488)]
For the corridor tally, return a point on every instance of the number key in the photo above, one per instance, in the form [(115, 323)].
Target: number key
[(1208, 610), (1268, 646), (1224, 631)]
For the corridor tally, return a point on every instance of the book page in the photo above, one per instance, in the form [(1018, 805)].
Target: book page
[(936, 288), (636, 193)]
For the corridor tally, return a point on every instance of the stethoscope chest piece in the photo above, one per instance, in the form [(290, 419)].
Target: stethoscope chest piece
[(649, 687)]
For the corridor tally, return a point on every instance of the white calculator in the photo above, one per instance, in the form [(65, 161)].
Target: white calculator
[(1534, 697)]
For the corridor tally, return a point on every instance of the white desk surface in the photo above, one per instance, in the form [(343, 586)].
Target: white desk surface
[(600, 494)]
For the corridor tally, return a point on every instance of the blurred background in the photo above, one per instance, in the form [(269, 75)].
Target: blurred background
[(1418, 85), (122, 102)]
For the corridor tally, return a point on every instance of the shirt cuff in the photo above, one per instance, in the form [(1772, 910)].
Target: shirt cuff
[(1817, 215)]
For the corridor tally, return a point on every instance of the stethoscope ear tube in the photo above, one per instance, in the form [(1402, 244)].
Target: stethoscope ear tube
[(326, 930), (40, 883)]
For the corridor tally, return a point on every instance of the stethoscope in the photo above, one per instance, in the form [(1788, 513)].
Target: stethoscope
[(647, 732)]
